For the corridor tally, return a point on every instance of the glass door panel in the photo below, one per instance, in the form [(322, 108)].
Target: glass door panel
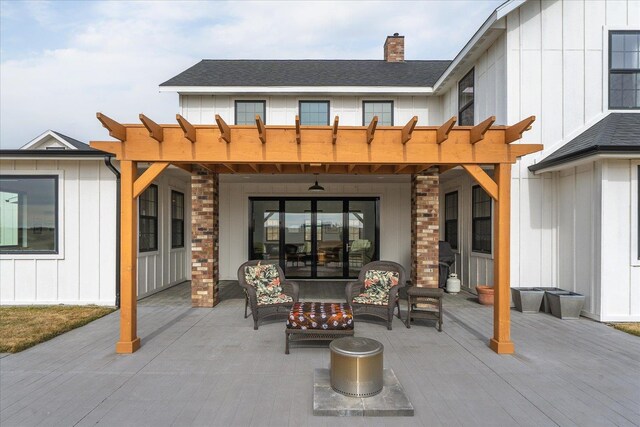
[(266, 230), (362, 234), (329, 237), (298, 235)]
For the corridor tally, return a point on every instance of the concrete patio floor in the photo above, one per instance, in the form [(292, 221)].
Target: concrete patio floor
[(209, 367)]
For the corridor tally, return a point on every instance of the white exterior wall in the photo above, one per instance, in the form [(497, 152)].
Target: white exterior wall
[(282, 109), (83, 272), (158, 270), (395, 213)]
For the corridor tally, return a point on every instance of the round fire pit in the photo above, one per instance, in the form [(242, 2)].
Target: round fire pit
[(356, 366)]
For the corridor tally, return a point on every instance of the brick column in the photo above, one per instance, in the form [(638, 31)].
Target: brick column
[(425, 231), (204, 238)]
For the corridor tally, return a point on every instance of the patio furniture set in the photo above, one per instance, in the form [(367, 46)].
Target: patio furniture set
[(375, 293)]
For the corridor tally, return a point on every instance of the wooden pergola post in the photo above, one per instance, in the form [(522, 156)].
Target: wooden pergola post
[(501, 341), (129, 341)]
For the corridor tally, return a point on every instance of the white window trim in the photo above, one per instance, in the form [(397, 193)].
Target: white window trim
[(635, 213), (60, 224), (605, 66)]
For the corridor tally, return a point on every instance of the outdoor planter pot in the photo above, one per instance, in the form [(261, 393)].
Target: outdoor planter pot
[(527, 300), (565, 305), (485, 294), (545, 301)]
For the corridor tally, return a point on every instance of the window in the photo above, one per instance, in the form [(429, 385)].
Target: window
[(382, 109), (481, 221), (624, 70), (272, 225), (246, 112), (451, 219), (465, 100), (314, 113), (29, 214), (177, 219), (149, 219)]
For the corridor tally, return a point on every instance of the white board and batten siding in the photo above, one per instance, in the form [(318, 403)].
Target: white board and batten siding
[(282, 110), (83, 270), (158, 270), (395, 214)]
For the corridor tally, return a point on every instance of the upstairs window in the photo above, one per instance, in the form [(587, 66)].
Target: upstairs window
[(177, 219), (624, 70), (148, 205), (465, 100), (451, 219), (382, 109), (246, 112), (314, 113), (481, 221)]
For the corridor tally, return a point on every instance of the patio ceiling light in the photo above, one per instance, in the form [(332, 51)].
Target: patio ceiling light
[(316, 188)]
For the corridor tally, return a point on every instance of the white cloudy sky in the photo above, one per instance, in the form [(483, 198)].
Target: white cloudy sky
[(62, 61)]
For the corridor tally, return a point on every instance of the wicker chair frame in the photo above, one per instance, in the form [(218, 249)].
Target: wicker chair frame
[(260, 312), (384, 312)]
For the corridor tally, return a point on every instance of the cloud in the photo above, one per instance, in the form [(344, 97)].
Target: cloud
[(111, 56)]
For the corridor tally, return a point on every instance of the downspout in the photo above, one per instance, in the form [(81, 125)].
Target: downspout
[(116, 172)]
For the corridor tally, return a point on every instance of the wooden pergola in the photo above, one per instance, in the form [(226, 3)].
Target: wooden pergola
[(333, 149)]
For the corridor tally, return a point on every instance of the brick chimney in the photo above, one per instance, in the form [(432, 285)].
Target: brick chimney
[(394, 48)]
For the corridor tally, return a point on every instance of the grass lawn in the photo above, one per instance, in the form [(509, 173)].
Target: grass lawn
[(630, 328), (25, 326)]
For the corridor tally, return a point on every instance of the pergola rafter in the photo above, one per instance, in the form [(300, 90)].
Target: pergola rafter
[(371, 149)]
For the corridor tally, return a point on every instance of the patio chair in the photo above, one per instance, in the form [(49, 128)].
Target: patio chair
[(376, 291), (267, 291)]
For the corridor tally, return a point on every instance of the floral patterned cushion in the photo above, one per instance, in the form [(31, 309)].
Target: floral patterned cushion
[(318, 315), (377, 284), (266, 280)]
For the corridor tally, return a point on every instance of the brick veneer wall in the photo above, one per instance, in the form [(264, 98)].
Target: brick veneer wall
[(425, 228), (204, 238)]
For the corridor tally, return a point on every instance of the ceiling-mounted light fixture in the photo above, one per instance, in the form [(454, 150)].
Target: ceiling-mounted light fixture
[(316, 188)]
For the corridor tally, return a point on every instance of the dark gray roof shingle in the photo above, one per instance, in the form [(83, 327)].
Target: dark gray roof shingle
[(310, 73), (74, 142), (617, 132)]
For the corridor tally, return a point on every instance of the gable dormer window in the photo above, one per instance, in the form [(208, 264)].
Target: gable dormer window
[(465, 100), (56, 148), (624, 70)]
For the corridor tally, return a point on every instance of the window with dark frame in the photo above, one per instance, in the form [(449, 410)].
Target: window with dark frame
[(148, 220), (382, 109), (246, 112), (481, 221), (624, 70), (451, 219), (29, 214), (465, 100), (314, 113), (177, 219)]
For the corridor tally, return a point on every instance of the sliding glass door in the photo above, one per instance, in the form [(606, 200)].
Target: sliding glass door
[(315, 238)]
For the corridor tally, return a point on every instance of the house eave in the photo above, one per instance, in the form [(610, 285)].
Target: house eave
[(585, 156), (57, 154), (299, 90)]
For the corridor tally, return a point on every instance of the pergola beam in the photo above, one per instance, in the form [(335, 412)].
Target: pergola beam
[(407, 130), (485, 181), (443, 131), (514, 132), (334, 131), (147, 177), (444, 168), (187, 128), (116, 130), (477, 132), (371, 130), (155, 130), (225, 131), (298, 133), (262, 132)]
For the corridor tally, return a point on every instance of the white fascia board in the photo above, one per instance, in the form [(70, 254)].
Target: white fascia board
[(389, 90), (56, 158), (497, 14), (47, 133), (588, 159)]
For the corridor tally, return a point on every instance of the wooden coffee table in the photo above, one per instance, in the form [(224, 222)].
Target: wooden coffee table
[(318, 321)]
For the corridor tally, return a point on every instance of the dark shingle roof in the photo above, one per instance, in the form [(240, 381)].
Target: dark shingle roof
[(617, 132), (74, 142), (310, 73)]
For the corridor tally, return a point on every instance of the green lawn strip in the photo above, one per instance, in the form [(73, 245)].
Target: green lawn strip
[(630, 328), (22, 327)]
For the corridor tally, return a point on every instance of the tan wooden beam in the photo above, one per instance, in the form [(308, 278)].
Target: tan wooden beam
[(255, 167), (155, 130), (407, 130), (302, 165), (371, 130), (399, 168), (421, 168), (183, 166), (128, 341), (514, 132), (485, 181), (351, 167), (374, 168), (501, 342), (298, 135), (278, 167), (187, 128), (229, 167), (443, 131), (262, 132), (477, 132), (225, 132), (334, 132), (443, 168), (327, 167), (116, 130), (147, 177)]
